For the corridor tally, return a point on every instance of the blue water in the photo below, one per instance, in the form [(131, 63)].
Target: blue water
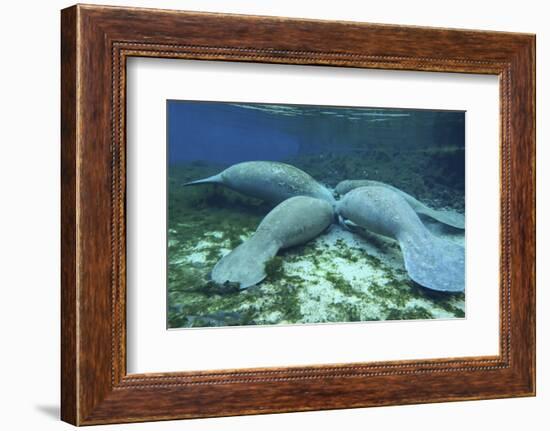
[(228, 133)]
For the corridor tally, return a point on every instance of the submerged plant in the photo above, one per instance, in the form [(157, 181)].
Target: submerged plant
[(274, 267)]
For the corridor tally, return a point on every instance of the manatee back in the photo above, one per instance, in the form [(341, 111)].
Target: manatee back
[(345, 186), (378, 209), (297, 220), (450, 218), (273, 181)]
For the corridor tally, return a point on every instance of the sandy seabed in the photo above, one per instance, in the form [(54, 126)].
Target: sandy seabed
[(338, 277)]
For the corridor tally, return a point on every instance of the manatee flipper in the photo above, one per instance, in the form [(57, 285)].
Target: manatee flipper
[(449, 218), (349, 225), (431, 261), (246, 263), (292, 222)]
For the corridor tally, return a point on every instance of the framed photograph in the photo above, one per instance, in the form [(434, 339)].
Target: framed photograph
[(297, 255), (265, 214)]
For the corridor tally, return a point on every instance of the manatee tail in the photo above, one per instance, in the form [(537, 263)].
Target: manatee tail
[(433, 262), (449, 218), (245, 265), (214, 179)]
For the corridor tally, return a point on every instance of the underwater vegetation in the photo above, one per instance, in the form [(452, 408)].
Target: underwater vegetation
[(336, 277), (434, 175)]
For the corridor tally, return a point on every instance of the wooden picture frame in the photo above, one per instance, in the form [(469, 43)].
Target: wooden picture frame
[(95, 43)]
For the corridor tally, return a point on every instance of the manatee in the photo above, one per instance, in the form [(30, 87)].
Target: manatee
[(449, 218), (430, 261), (292, 222), (273, 182)]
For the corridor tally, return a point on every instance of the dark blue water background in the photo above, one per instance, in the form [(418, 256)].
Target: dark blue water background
[(228, 133)]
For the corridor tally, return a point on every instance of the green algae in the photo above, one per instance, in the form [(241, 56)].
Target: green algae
[(274, 268), (423, 173), (340, 283), (408, 313)]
